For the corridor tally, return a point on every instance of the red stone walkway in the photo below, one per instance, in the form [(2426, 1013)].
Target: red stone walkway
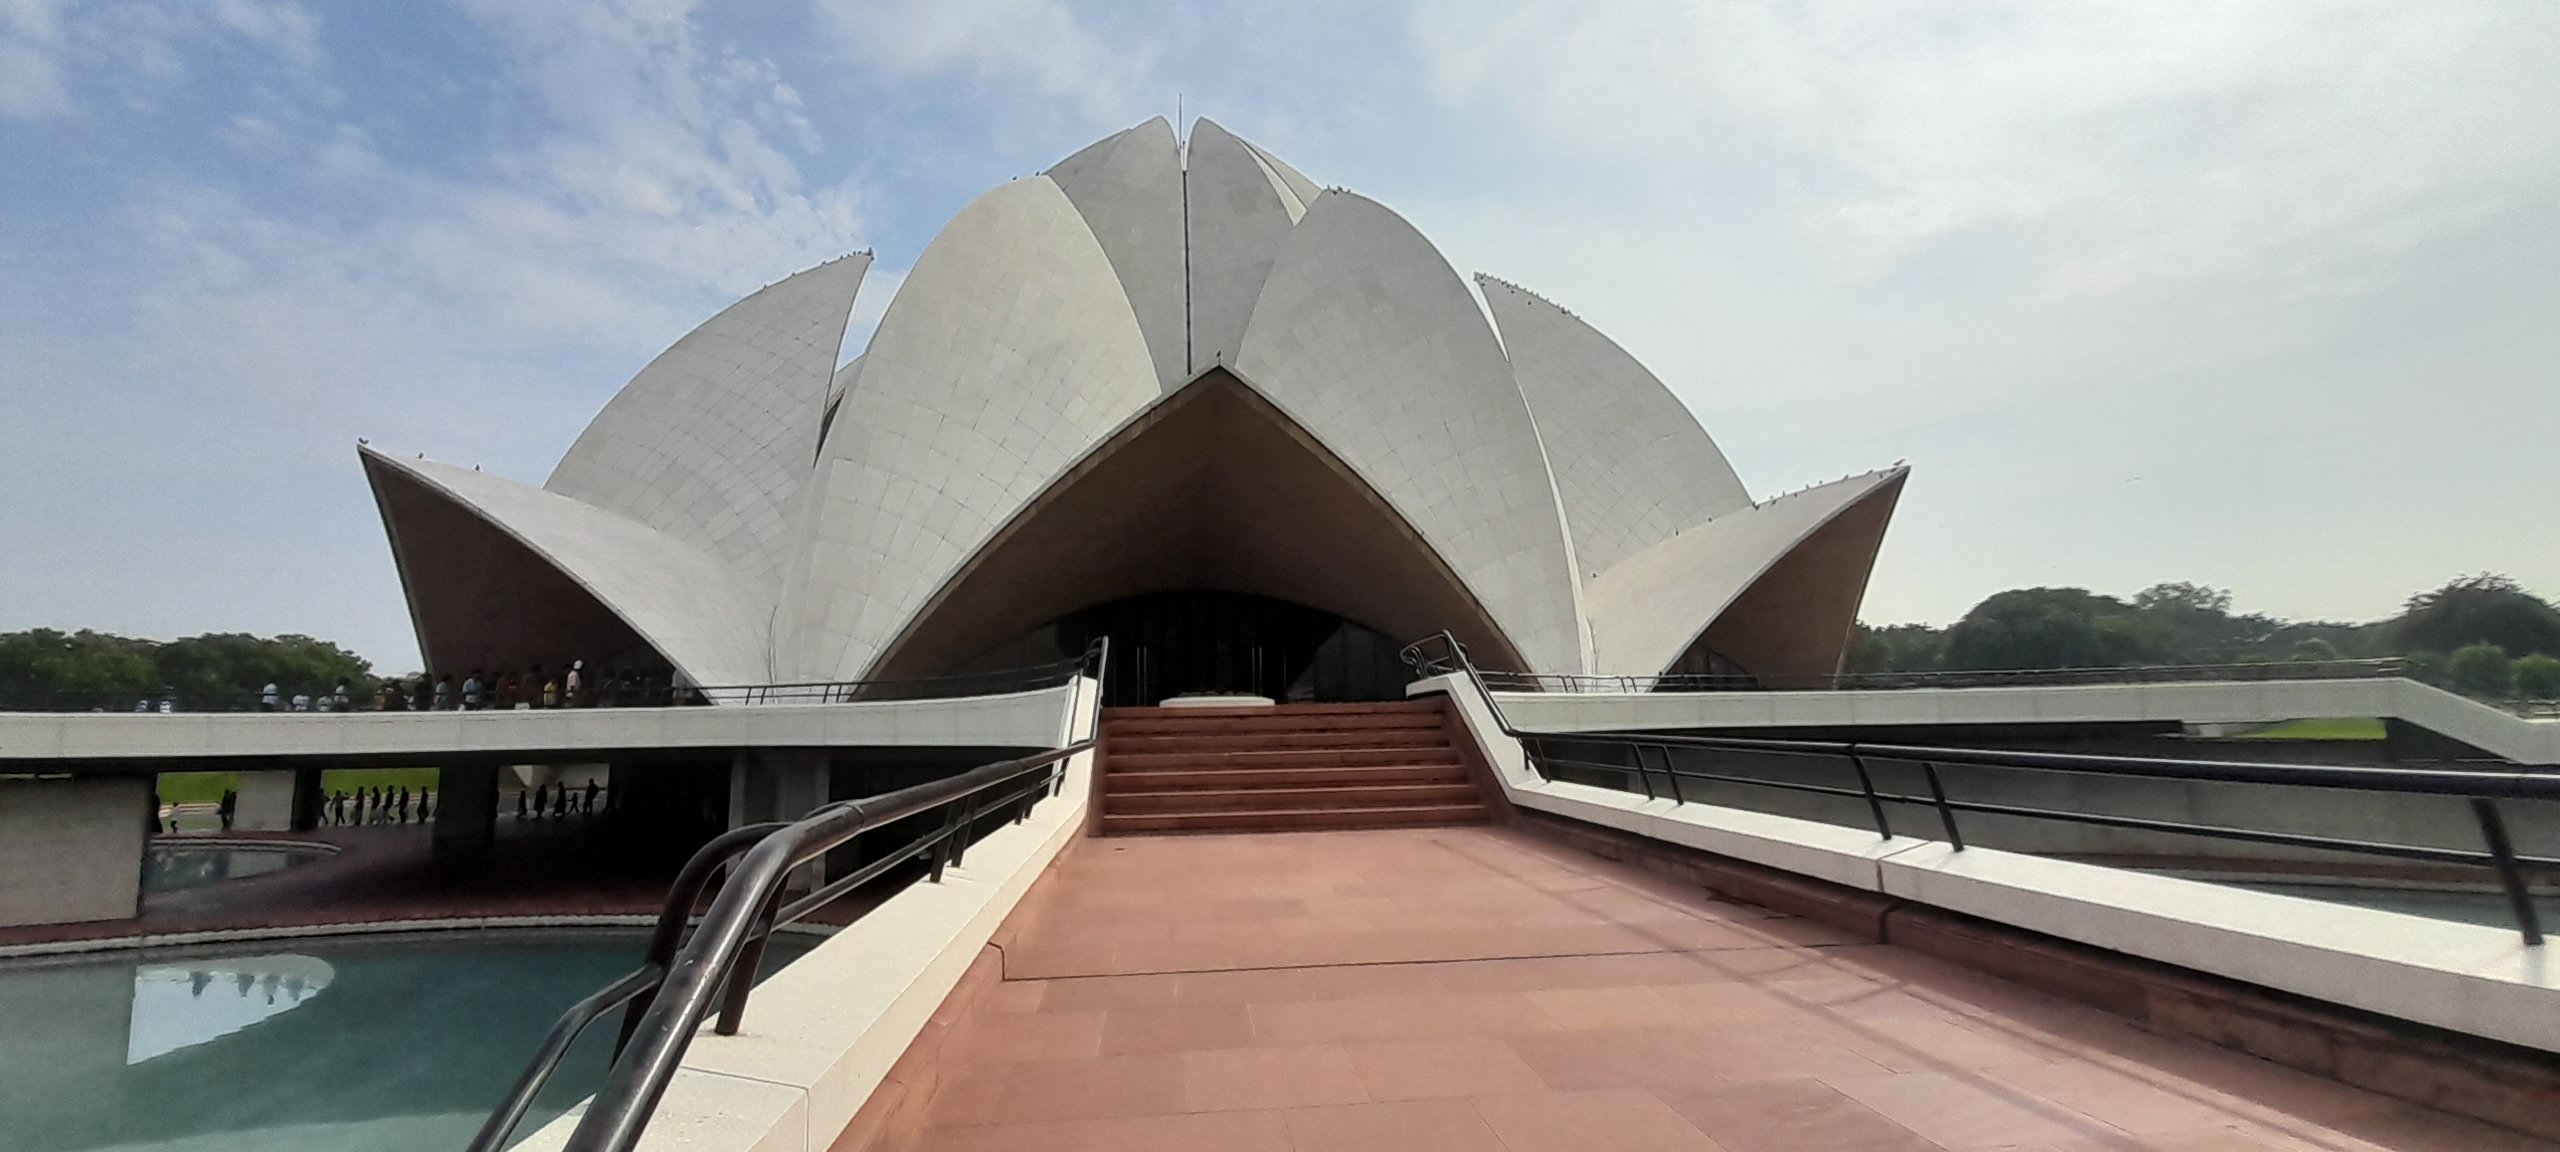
[(1473, 989)]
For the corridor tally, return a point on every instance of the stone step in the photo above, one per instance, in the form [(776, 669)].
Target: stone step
[(1114, 743), (1120, 761), (1289, 799), (1176, 724), (1293, 819), (1362, 708), (1117, 781)]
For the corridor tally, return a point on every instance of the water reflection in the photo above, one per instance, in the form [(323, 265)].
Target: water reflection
[(180, 1005), (386, 1045), (168, 867)]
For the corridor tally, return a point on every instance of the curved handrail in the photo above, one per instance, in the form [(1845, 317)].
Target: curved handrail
[(2482, 788), (676, 988)]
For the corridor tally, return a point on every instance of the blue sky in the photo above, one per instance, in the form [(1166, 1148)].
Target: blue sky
[(2254, 294)]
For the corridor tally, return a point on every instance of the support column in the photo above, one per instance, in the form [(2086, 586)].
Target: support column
[(466, 822), (266, 801), (779, 784), (71, 850), (308, 801)]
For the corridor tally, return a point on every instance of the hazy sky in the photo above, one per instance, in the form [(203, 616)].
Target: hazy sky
[(2265, 295)]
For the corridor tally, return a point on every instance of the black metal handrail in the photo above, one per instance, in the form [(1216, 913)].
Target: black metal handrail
[(676, 987), (1649, 755), (1952, 678)]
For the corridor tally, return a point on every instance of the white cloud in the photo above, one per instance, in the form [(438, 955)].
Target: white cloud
[(661, 185), (1042, 42), (2300, 141), (137, 46), (30, 74)]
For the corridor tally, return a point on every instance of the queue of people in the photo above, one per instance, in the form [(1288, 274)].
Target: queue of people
[(378, 805), (559, 801)]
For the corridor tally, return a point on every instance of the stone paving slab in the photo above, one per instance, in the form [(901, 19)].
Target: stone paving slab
[(1469, 988)]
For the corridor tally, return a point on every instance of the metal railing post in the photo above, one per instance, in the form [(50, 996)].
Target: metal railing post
[(1875, 806), (1670, 772), (2493, 828), (1946, 815)]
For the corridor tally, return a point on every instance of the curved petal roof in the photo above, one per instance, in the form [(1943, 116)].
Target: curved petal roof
[(1632, 464), (760, 513), (687, 603), (1129, 189), (1368, 339), (1240, 212), (1649, 608), (1009, 351), (710, 441)]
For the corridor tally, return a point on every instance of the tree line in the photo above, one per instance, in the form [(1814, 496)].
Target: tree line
[(44, 667), (2482, 634)]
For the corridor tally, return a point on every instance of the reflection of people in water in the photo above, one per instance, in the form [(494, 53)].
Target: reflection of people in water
[(196, 981)]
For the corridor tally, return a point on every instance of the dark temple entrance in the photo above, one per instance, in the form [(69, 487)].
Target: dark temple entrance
[(1167, 644)]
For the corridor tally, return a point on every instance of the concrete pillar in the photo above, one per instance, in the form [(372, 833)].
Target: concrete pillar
[(779, 784), (308, 800), (266, 802), (466, 821), (71, 850)]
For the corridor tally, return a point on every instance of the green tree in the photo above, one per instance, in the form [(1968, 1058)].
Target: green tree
[(2482, 670), (2052, 628), (2483, 609), (2537, 677), (47, 668), (1896, 648)]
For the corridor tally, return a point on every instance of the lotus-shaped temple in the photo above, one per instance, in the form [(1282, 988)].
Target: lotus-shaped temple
[(1257, 431)]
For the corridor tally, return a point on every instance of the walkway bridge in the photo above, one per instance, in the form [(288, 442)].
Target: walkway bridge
[(1588, 967)]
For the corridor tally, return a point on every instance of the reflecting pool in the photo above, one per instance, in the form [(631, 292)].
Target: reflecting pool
[(382, 1044), (170, 865)]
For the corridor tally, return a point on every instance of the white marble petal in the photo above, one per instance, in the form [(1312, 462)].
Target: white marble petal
[(1129, 189), (709, 443), (1240, 212), (689, 604), (1631, 462), (1648, 608), (1009, 351), (1368, 339)]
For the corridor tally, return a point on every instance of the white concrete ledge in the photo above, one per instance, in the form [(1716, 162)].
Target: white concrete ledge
[(2465, 978), (820, 1035), (57, 739), (2217, 702)]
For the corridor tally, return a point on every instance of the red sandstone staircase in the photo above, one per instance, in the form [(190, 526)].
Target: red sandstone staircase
[(1289, 766)]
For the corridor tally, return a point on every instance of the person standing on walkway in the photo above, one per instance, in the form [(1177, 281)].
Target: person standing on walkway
[(444, 692), (267, 698), (572, 684), (403, 804), (230, 804), (550, 691), (588, 806), (471, 691)]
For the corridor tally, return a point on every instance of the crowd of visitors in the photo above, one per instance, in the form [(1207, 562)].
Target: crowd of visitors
[(378, 805), (573, 686)]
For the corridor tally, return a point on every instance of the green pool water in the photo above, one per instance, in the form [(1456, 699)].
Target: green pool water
[(383, 1044)]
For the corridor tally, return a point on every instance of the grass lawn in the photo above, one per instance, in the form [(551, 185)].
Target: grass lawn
[(208, 787), (196, 787), (350, 779)]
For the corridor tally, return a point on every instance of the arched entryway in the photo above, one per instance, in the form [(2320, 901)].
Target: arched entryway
[(1212, 528)]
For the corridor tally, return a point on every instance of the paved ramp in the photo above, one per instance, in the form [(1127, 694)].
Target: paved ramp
[(1468, 988)]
